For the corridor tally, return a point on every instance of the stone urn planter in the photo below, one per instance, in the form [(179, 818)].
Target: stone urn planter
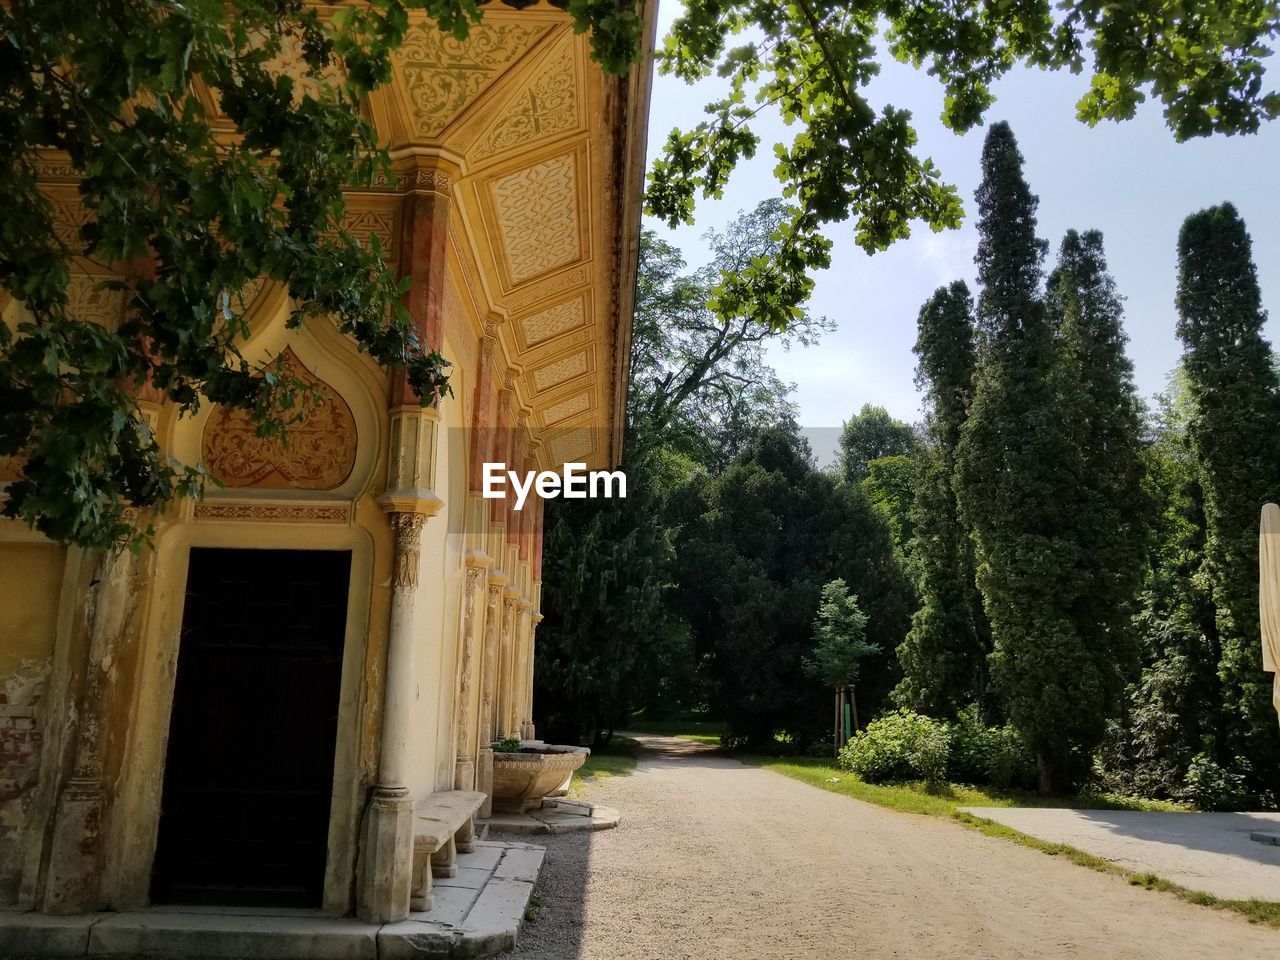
[(522, 779)]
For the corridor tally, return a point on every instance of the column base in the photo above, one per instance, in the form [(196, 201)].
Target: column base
[(71, 886), (484, 780), (528, 731), (464, 774), (386, 857)]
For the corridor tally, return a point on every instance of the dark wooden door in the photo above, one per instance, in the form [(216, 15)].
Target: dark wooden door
[(249, 770)]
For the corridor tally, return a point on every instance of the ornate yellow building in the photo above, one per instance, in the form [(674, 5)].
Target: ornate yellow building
[(250, 708)]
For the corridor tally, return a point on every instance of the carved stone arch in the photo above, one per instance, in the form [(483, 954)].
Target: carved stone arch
[(334, 449), (318, 452), (261, 302)]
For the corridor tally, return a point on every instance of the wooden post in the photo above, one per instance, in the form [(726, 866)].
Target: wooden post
[(835, 724)]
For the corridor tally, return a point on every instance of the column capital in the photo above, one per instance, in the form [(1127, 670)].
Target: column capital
[(424, 506), (478, 559)]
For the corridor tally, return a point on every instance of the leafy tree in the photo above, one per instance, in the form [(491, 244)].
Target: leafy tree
[(890, 485), (704, 382), (1235, 415), (608, 632), (944, 655), (698, 387), (1173, 709), (813, 60), (198, 217), (773, 530), (1096, 396), (1016, 473), (871, 434), (839, 646)]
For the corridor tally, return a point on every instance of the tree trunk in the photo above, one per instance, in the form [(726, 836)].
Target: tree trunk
[(1044, 772)]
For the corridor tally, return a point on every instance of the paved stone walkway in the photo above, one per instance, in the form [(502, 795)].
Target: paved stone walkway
[(714, 860), (475, 913), (556, 815), (1212, 852)]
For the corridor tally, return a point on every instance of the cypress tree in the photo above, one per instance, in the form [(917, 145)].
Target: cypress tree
[(943, 655), (1015, 473), (1234, 422), (1100, 408)]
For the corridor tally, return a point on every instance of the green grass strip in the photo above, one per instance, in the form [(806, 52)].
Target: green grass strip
[(615, 759)]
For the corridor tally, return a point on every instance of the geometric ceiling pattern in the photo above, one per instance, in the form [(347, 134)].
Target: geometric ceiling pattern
[(527, 120)]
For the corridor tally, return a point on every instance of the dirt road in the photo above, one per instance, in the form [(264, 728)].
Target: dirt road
[(715, 860)]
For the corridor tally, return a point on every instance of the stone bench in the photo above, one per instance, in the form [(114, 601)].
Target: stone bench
[(443, 826)]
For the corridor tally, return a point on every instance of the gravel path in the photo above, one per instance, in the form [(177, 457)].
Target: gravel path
[(715, 859)]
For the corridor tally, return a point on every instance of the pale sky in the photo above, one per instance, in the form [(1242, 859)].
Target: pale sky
[(1130, 180)]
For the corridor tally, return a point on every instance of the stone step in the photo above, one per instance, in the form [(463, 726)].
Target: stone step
[(475, 914)]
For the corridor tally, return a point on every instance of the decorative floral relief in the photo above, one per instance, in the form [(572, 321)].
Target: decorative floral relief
[(547, 107), (274, 512), (363, 224), (318, 454), (68, 217), (87, 300), (442, 74), (11, 468)]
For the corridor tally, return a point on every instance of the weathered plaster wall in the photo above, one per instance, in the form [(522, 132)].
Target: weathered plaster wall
[(30, 580)]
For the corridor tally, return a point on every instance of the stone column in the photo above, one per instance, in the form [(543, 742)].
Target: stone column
[(71, 885), (530, 731), (464, 770), (506, 667), (519, 717), (386, 863), (489, 691), (386, 858)]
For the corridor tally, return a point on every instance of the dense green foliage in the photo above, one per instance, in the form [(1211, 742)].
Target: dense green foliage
[(898, 746), (1172, 709), (1016, 475), (890, 484), (607, 638), (871, 434), (197, 218), (838, 632), (700, 384), (905, 745), (814, 60), (196, 215), (717, 470), (1095, 391), (1235, 399), (614, 639), (944, 654), (770, 532)]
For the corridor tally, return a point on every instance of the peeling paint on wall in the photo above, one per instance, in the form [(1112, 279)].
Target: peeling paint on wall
[(20, 695)]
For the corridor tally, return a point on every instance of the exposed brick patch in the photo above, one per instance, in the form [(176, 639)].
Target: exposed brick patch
[(20, 739)]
